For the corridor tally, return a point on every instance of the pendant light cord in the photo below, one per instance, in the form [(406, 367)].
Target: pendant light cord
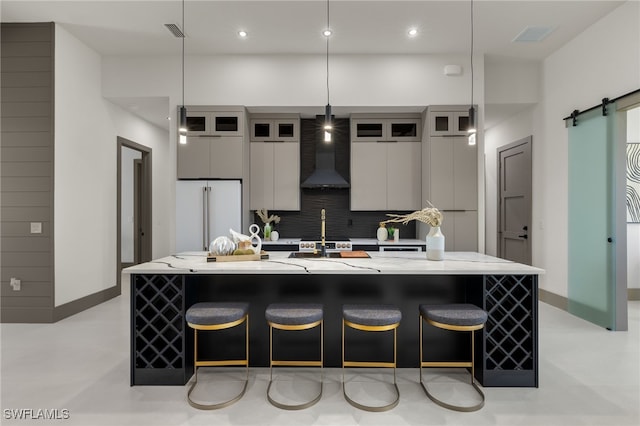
[(328, 28), (184, 35), (471, 53)]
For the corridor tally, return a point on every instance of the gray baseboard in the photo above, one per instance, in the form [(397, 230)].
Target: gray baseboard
[(49, 315), (26, 315), (553, 299), (84, 303), (562, 302)]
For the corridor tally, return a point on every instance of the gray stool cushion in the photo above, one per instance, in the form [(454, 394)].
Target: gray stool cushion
[(372, 315), (293, 313), (464, 314), (214, 313)]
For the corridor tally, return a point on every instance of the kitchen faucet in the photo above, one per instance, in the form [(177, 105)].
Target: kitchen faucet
[(323, 247)]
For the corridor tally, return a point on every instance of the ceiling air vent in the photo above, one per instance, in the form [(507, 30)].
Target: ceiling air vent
[(533, 34), (175, 30)]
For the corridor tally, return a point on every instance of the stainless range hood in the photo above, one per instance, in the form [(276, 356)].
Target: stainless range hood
[(325, 174)]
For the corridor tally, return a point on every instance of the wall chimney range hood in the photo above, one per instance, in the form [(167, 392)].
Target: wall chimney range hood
[(325, 174)]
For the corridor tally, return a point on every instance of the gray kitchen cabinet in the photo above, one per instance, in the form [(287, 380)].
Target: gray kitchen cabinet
[(385, 175), (386, 129), (214, 148), (210, 157), (275, 130), (215, 123), (275, 175), (448, 123), (453, 176), (453, 169), (460, 229), (368, 176)]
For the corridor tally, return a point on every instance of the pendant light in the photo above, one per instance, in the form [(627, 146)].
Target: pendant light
[(471, 129), (182, 130), (328, 125)]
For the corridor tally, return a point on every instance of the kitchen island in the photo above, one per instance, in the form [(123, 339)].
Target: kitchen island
[(506, 350)]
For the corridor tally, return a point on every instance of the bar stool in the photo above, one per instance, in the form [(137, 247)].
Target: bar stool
[(371, 318), (209, 316), (455, 317), (294, 317)]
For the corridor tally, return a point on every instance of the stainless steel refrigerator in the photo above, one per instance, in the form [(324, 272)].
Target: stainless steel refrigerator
[(206, 209)]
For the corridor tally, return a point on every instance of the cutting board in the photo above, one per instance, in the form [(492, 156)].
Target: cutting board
[(238, 258), (357, 254)]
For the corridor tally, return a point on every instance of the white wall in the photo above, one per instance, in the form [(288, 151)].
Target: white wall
[(603, 61), (509, 81), (130, 127), (127, 203), (86, 130), (633, 229), (286, 80), (515, 128)]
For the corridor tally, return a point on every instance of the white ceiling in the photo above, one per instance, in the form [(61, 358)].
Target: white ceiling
[(128, 27)]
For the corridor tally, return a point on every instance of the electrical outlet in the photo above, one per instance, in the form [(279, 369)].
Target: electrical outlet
[(15, 283), (36, 227)]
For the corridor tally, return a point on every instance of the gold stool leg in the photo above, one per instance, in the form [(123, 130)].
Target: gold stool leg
[(317, 398), (441, 403), (375, 409), (196, 364)]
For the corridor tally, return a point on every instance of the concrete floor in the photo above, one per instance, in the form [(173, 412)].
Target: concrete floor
[(588, 376)]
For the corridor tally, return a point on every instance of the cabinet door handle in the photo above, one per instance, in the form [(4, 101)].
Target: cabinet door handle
[(209, 136)]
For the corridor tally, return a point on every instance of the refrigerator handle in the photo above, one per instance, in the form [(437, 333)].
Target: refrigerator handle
[(204, 218), (209, 189)]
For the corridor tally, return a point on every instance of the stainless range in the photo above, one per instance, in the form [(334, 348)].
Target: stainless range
[(333, 245)]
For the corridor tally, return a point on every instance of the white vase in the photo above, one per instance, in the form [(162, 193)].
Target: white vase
[(435, 244), (382, 233)]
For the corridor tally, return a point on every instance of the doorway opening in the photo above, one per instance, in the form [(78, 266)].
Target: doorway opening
[(514, 201), (134, 204)]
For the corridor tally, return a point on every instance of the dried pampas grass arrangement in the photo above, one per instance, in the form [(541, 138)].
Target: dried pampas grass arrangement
[(429, 215), (263, 214)]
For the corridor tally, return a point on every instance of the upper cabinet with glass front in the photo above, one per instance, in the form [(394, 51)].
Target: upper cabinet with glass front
[(386, 129), (215, 143), (448, 123), (219, 123), (275, 130)]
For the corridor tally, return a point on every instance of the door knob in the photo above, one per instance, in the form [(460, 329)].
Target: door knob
[(525, 236)]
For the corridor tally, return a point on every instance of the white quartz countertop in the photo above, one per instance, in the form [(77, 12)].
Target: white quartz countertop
[(354, 241), (390, 263)]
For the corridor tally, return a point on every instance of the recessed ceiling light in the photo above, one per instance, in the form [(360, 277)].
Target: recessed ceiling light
[(412, 32), (243, 34), (327, 32)]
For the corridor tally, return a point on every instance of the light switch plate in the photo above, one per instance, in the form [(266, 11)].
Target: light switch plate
[(36, 227), (15, 283)]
